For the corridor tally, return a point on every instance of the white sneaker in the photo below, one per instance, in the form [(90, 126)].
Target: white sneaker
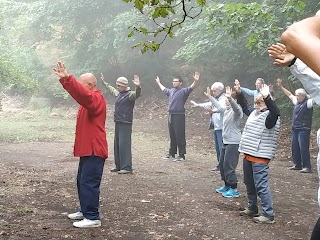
[(87, 223), (76, 216)]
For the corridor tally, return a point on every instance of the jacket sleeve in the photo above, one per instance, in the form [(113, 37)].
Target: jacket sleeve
[(246, 108), (274, 113), (220, 107), (247, 91), (236, 108), (86, 98), (309, 79), (135, 94), (114, 92)]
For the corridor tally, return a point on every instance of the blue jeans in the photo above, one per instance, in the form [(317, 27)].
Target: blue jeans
[(300, 148), (256, 180), (88, 183), (217, 136)]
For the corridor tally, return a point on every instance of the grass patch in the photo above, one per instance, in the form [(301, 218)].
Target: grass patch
[(33, 126)]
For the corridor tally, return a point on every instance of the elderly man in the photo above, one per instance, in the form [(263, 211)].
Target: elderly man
[(216, 119), (301, 127), (123, 118), (178, 96), (90, 143)]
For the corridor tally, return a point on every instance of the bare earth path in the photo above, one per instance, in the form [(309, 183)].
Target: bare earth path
[(161, 200)]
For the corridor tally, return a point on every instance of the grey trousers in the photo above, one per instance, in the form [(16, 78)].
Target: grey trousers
[(229, 158), (256, 179), (122, 146)]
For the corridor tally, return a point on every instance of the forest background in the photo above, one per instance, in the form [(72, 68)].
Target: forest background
[(224, 40)]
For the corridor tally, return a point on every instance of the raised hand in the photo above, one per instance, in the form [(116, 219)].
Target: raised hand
[(237, 83), (279, 82), (228, 92), (61, 70), (102, 77), (280, 55), (208, 93), (196, 76), (136, 80), (157, 80), (265, 90), (193, 104), (271, 87)]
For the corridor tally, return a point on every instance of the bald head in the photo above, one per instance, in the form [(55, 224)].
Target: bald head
[(88, 80)]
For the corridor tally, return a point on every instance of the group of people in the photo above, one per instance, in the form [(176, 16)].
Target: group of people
[(258, 141)]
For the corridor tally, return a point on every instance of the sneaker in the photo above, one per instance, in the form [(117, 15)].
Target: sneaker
[(231, 193), (294, 168), (222, 189), (168, 157), (305, 170), (76, 216), (264, 219), (123, 171), (250, 213), (87, 223), (215, 169), (179, 159), (114, 170)]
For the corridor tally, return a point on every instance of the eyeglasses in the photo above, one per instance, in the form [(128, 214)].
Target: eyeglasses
[(175, 81)]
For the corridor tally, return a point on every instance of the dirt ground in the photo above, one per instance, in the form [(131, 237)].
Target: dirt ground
[(161, 200)]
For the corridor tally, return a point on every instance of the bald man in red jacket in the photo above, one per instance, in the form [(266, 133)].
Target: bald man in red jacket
[(90, 143)]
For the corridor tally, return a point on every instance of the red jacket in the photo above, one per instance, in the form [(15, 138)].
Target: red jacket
[(90, 129)]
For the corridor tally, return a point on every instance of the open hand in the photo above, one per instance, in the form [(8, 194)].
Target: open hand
[(208, 93), (136, 80), (102, 77), (280, 55), (196, 76), (279, 82), (157, 80), (228, 92), (265, 90), (193, 104), (61, 70)]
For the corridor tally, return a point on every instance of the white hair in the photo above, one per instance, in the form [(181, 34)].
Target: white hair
[(301, 92), (218, 85)]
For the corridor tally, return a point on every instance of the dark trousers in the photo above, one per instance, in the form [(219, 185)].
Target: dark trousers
[(88, 183), (177, 132), (300, 148), (316, 231), (228, 163), (122, 146)]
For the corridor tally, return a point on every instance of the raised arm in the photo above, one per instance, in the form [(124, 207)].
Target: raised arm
[(283, 89), (235, 107), (246, 91), (114, 92), (309, 79), (302, 40), (137, 93), (220, 107), (159, 84), (85, 97), (196, 81), (274, 111)]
